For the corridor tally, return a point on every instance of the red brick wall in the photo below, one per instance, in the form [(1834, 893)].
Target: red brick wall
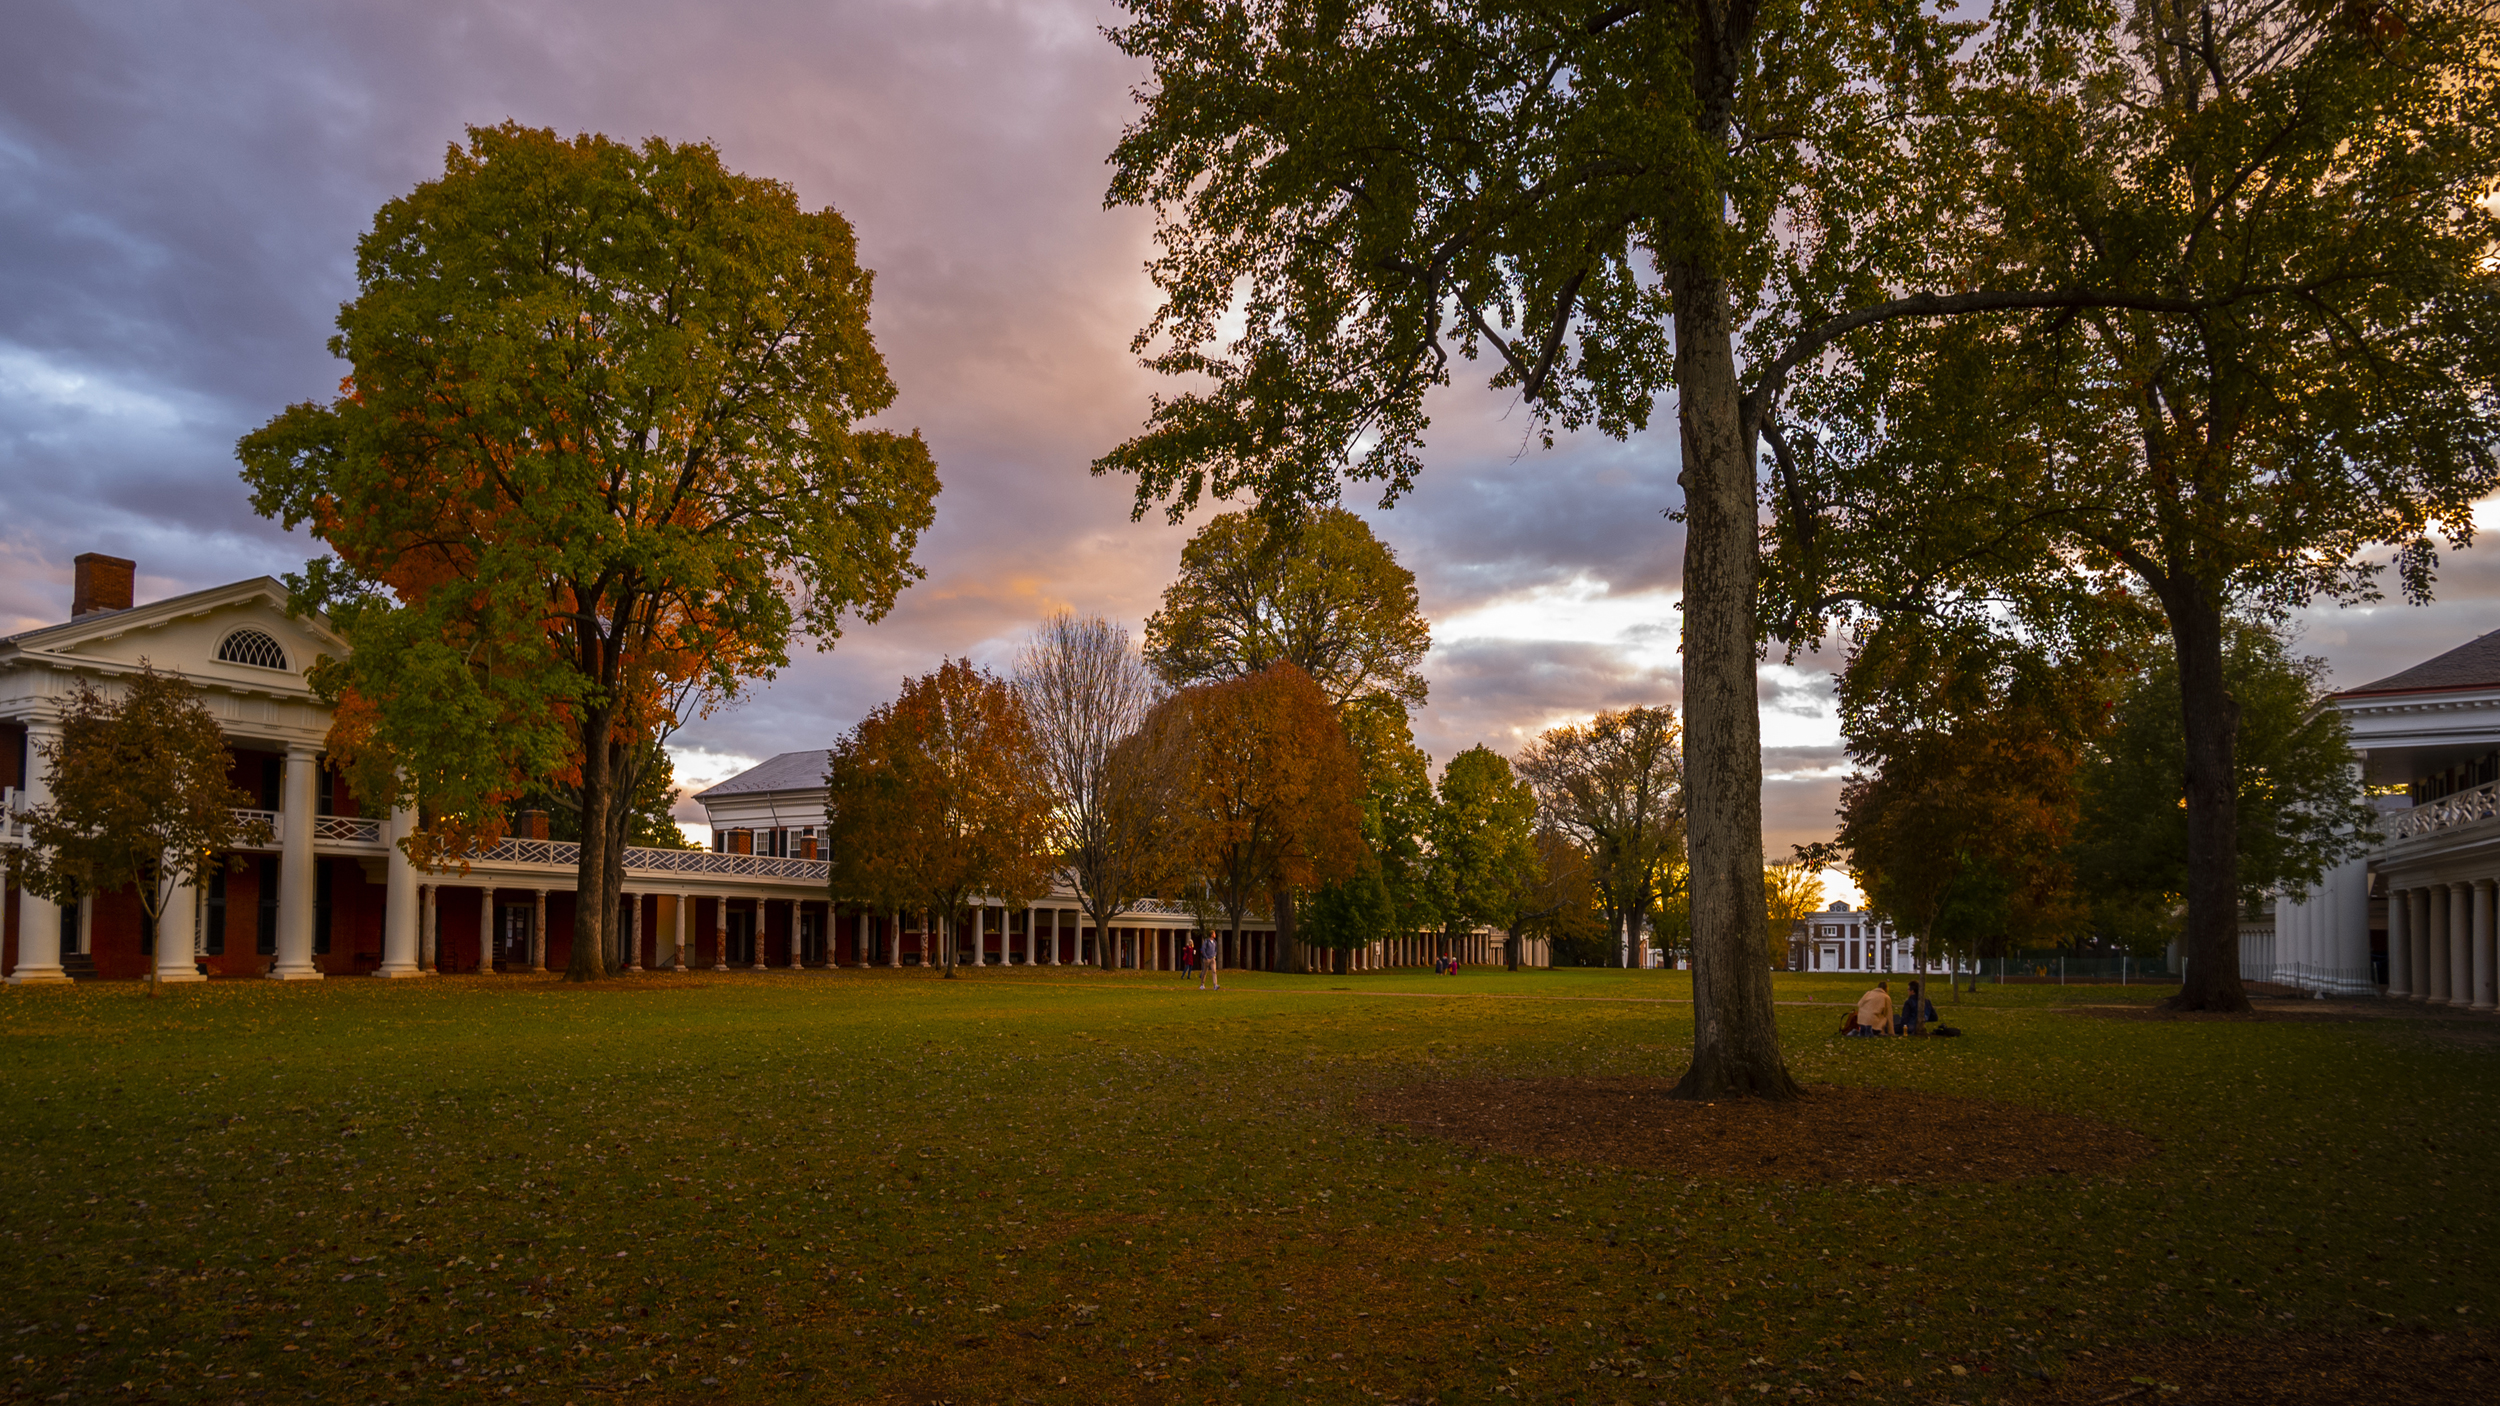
[(459, 916)]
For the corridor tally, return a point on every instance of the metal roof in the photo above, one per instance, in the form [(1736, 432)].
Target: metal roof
[(791, 771)]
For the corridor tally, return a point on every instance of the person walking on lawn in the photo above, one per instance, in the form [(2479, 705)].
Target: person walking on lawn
[(1207, 972)]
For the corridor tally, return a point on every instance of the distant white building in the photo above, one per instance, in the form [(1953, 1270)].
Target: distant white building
[(1842, 939)]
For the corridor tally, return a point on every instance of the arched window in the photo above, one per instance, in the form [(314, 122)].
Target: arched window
[(253, 647)]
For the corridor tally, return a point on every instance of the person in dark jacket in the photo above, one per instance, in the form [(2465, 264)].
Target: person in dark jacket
[(1915, 1012)]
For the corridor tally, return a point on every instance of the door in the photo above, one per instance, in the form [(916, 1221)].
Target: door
[(512, 935)]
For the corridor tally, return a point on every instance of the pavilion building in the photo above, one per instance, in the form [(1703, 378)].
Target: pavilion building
[(333, 894), (2415, 915)]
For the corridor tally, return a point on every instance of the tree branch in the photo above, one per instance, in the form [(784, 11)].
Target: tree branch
[(1812, 342)]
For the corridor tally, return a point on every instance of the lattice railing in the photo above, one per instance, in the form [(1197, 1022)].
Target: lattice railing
[(704, 861), (658, 861), (347, 829), (2446, 813)]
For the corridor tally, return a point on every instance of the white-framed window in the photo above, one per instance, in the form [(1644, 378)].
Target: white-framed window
[(252, 647)]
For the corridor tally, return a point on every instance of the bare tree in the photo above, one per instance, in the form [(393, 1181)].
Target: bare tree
[(1087, 691)]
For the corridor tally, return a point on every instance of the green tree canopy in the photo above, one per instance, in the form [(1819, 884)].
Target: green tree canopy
[(601, 436), (1322, 594), (1484, 855), (2232, 335), (2298, 790), (1352, 201)]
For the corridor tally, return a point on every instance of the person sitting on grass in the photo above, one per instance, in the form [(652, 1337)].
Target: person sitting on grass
[(1875, 1011), (1916, 1011)]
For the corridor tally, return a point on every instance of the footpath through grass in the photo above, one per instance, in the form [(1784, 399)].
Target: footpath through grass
[(1060, 1186)]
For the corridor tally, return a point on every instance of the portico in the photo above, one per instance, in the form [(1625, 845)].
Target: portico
[(2428, 739)]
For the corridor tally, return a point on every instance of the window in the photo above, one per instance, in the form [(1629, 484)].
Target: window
[(265, 935), (321, 908), (215, 922), (253, 647)]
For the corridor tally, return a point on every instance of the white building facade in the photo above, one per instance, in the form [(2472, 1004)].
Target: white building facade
[(333, 894), (2415, 917)]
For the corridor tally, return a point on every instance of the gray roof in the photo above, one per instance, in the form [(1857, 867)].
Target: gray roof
[(2474, 664), (791, 771)]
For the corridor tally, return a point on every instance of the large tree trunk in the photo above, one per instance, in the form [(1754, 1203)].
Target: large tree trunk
[(1736, 1048), (1288, 952), (590, 872), (2210, 719), (612, 885)]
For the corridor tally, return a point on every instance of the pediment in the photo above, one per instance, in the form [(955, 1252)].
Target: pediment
[(267, 650)]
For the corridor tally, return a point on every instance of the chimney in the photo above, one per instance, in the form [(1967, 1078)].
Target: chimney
[(103, 583)]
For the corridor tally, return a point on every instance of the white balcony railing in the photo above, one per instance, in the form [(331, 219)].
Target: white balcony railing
[(346, 829), (365, 831), (2446, 813), (656, 861)]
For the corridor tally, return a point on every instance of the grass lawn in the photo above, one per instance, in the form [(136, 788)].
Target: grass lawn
[(1060, 1186)]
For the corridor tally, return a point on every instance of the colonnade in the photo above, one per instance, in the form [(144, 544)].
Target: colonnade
[(2440, 944), (2322, 939), (40, 921)]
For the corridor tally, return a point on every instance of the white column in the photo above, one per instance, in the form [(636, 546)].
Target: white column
[(430, 928), (894, 939), (2398, 941), (295, 870), (2435, 944), (683, 903), (2460, 944), (859, 941), (2349, 938), (1051, 959), (2417, 943), (38, 919), (762, 907), (629, 913), (720, 934), (2285, 967), (177, 952), (399, 901), (2480, 981), (538, 928)]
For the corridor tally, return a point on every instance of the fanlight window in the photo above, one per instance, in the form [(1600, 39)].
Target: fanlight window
[(252, 647)]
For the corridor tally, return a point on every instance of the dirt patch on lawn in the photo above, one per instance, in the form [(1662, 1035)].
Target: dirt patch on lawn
[(1834, 1134), (2367, 1369)]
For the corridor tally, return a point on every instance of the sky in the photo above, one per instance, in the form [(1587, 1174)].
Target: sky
[(181, 188)]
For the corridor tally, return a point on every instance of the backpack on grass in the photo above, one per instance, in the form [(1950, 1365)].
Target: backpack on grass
[(1944, 1030)]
